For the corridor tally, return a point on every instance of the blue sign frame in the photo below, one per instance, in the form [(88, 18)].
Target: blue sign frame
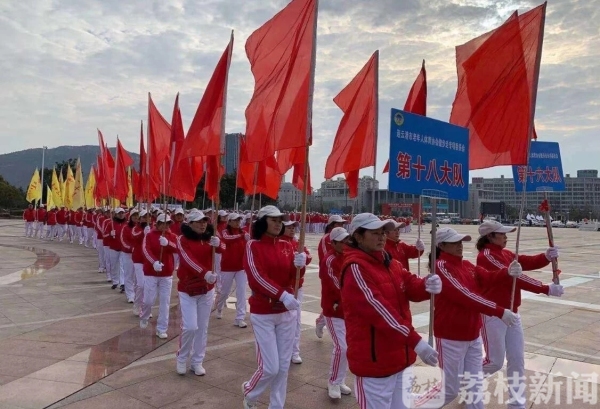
[(544, 172), (428, 154)]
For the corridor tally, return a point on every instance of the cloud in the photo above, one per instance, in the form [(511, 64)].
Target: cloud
[(69, 67)]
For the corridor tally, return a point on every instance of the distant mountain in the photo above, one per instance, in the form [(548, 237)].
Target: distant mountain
[(17, 167)]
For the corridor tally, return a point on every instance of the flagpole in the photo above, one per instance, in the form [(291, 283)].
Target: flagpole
[(236, 177), (306, 152), (376, 129), (536, 78)]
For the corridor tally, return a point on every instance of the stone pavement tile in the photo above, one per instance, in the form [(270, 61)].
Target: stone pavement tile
[(18, 366), (234, 386), (18, 393), (135, 374), (163, 390), (170, 347), (310, 397), (110, 400), (220, 371), (80, 373), (540, 333), (308, 370), (86, 393), (50, 350), (208, 399), (6, 379)]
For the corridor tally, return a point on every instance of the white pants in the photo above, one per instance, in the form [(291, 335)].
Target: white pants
[(381, 393), (101, 263), (227, 278), (52, 231), (114, 265), (195, 314), (128, 275), (62, 231), (29, 229), (217, 267), (138, 299), (500, 340), (461, 362), (39, 229), (274, 335), (82, 233), (91, 237), (72, 231), (107, 264), (296, 350), (339, 361), (162, 287)]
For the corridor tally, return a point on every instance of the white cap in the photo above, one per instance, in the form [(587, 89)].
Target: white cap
[(370, 222), (119, 210), (222, 213), (492, 226), (163, 218), (196, 216), (133, 211), (179, 211), (269, 211), (233, 216), (398, 224), (290, 223), (143, 213), (338, 234), (448, 235), (336, 218)]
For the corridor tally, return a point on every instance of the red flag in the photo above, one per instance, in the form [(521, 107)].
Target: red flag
[(106, 165), (214, 171), (294, 158), (356, 137), (282, 57), (497, 88), (416, 102), (208, 126), (120, 185), (262, 174), (159, 137), (141, 193)]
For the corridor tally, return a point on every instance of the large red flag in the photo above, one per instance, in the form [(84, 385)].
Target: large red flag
[(207, 128), (257, 177), (282, 57), (159, 137), (294, 159), (120, 184), (356, 137), (497, 88), (416, 102)]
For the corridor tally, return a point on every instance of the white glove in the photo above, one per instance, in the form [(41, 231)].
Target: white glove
[(300, 260), (551, 253), (157, 266), (290, 302), (210, 277), (510, 318), (247, 237), (214, 241), (515, 269), (163, 241), (420, 245), (427, 354), (433, 285), (556, 290), (113, 233), (147, 229)]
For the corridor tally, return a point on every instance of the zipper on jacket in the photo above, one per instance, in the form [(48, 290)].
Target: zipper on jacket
[(373, 354)]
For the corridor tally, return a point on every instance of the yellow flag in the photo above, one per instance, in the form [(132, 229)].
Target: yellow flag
[(115, 203), (69, 188), (56, 192), (49, 201), (62, 188), (78, 193), (129, 201), (90, 200), (34, 191)]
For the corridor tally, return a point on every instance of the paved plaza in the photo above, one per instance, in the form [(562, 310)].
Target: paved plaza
[(68, 341)]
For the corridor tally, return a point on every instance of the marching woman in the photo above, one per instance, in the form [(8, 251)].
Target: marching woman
[(457, 318), (331, 302), (498, 339), (232, 268), (158, 247), (398, 249), (271, 266), (376, 290), (138, 232), (289, 235), (196, 289), (126, 258)]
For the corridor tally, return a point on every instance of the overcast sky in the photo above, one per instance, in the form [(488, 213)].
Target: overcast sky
[(68, 67)]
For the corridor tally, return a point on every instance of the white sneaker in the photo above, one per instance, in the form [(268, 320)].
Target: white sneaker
[(219, 314), (247, 404), (136, 311), (334, 391), (143, 324), (319, 331), (130, 301), (345, 389), (161, 335), (198, 369), (181, 368), (240, 323), (296, 359)]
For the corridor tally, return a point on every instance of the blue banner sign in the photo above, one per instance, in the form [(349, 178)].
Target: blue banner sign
[(544, 172)]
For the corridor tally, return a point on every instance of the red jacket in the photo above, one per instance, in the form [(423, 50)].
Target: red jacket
[(330, 273), (494, 257), (137, 239), (78, 218), (175, 228), (99, 227), (294, 243), (324, 246), (51, 219), (195, 260), (402, 252), (41, 214), (459, 306), (151, 248), (379, 331), (62, 216), (115, 243), (29, 215), (125, 239), (72, 218), (235, 247), (269, 264), (88, 219)]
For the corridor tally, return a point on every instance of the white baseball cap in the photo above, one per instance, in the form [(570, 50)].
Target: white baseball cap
[(398, 225), (196, 216), (179, 211), (222, 213), (290, 223), (338, 234), (119, 210), (448, 235), (163, 218), (492, 226), (143, 213), (269, 211), (370, 222), (336, 218), (233, 216), (133, 211)]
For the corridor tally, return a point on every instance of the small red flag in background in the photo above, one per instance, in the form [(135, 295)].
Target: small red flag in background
[(159, 138), (354, 144), (264, 174), (497, 88), (416, 102)]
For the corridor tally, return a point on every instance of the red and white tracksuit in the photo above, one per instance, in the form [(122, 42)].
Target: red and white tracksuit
[(269, 263), (323, 248), (62, 218), (232, 269), (112, 248), (126, 260), (51, 229), (40, 222), (99, 226), (498, 339), (29, 217), (402, 252), (376, 291), (137, 257)]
